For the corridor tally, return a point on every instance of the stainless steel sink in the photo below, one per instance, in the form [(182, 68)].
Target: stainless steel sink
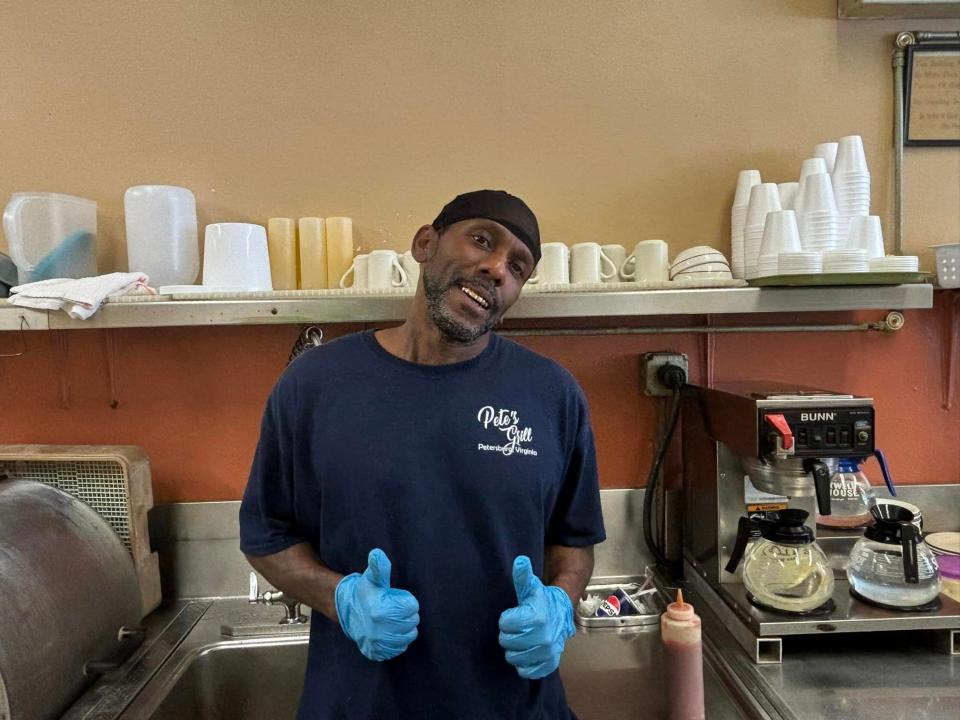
[(234, 681), (607, 673)]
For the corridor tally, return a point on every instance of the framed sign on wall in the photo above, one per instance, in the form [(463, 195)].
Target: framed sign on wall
[(932, 95)]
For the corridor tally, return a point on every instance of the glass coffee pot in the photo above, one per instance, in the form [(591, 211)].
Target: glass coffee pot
[(785, 569), (891, 565), (851, 495)]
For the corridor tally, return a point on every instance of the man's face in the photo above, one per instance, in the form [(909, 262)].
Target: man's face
[(473, 277)]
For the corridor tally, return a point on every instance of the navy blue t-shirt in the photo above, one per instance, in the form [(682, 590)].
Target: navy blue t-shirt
[(452, 470)]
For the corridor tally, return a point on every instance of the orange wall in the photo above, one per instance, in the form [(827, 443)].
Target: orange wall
[(192, 397)]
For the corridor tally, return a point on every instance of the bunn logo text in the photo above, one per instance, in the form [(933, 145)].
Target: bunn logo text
[(813, 417)]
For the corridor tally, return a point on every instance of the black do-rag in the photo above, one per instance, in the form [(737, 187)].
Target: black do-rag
[(499, 206)]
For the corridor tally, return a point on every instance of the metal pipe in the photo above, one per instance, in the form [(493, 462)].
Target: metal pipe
[(904, 39), (936, 36), (889, 324)]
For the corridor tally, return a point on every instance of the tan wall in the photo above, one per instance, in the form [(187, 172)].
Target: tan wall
[(616, 120)]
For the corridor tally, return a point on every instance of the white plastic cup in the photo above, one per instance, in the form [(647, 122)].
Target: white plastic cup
[(816, 194), (788, 194), (384, 271), (866, 233), (554, 265), (616, 254), (358, 268), (851, 157), (235, 255), (780, 233), (746, 179), (161, 224), (764, 198), (812, 166), (827, 151), (411, 267)]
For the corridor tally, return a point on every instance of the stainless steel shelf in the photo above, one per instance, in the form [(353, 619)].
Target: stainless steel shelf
[(286, 310)]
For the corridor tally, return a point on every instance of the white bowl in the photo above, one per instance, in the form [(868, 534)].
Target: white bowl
[(698, 277), (711, 257), (701, 268), (694, 251)]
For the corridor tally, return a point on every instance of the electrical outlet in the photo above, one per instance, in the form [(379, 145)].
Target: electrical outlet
[(651, 362)]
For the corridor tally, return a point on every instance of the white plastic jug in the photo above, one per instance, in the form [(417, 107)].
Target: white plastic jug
[(161, 223), (36, 224)]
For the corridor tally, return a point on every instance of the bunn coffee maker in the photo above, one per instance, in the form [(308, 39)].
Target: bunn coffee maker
[(755, 448), (781, 439)]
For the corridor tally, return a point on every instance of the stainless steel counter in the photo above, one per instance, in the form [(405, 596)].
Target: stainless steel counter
[(887, 675), (189, 669), (608, 673)]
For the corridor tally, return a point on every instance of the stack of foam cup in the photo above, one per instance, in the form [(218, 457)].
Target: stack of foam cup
[(866, 234), (780, 235), (811, 166), (851, 181), (827, 151), (764, 198), (738, 216), (788, 194), (818, 219)]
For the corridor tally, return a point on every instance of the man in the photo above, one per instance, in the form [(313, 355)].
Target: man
[(414, 485)]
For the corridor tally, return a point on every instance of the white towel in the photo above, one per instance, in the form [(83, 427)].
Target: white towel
[(79, 298)]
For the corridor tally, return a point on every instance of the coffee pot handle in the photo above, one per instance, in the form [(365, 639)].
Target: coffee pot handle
[(821, 482), (744, 527), (887, 478), (908, 542)]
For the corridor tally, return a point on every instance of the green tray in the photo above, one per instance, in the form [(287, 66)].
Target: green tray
[(854, 278)]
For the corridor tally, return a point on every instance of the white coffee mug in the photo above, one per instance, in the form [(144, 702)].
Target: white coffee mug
[(358, 268), (384, 271), (236, 255), (616, 254), (650, 263), (588, 264), (412, 268), (554, 265)]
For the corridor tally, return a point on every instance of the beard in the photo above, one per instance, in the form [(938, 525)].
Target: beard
[(456, 329)]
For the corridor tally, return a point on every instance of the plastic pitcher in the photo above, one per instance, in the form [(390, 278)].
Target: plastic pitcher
[(37, 224), (161, 224)]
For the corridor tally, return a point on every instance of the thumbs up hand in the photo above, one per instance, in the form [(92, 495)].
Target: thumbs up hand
[(534, 632), (380, 619)]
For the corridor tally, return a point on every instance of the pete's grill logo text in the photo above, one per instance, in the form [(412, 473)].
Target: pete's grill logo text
[(508, 423)]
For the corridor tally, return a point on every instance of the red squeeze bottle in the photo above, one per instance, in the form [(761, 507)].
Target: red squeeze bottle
[(683, 654)]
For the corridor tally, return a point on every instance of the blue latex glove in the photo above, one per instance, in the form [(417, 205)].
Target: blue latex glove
[(381, 620), (534, 632)]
